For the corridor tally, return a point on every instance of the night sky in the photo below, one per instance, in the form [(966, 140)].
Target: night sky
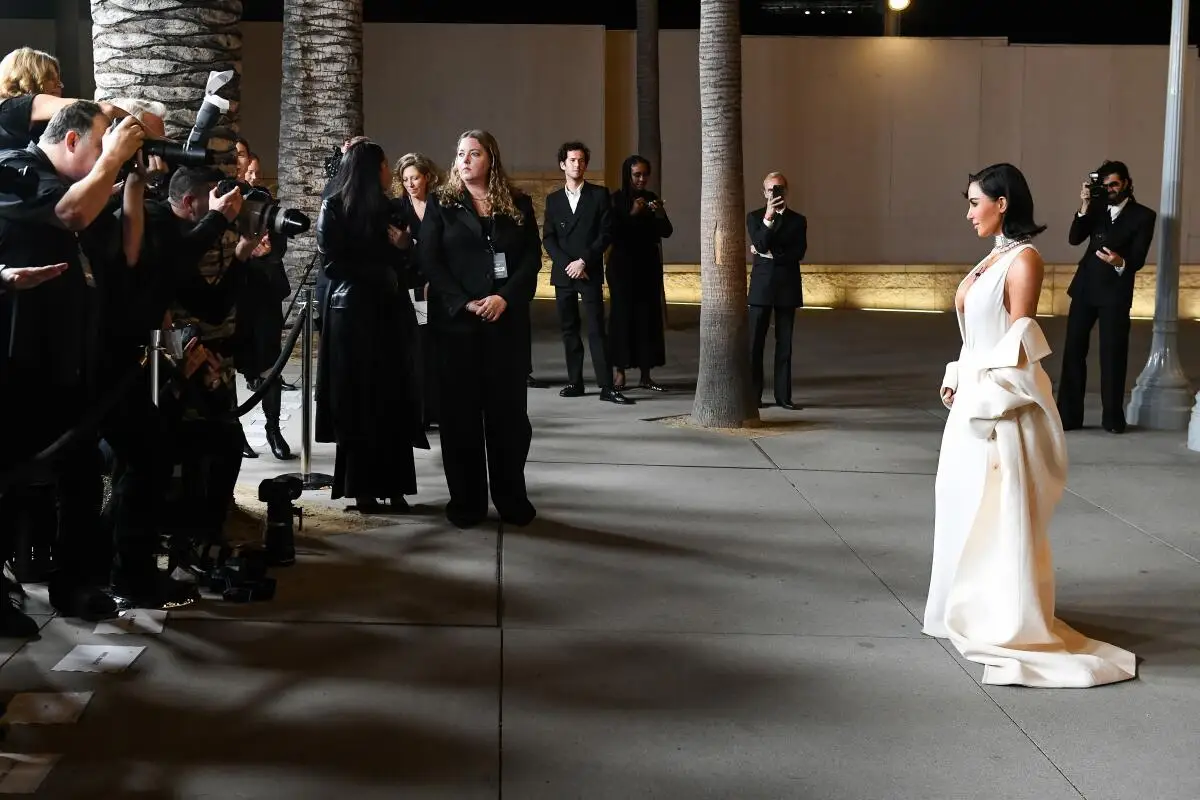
[(1073, 21)]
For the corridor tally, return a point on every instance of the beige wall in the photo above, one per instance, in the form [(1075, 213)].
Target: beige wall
[(533, 87), (877, 135)]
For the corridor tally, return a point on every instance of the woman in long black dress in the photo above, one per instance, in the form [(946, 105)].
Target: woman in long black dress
[(481, 253), (635, 277), (368, 400)]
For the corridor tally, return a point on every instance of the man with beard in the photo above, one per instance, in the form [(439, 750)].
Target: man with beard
[(1118, 230)]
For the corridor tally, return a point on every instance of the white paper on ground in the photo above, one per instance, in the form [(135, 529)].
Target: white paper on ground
[(23, 773), (98, 658), (135, 620), (46, 708)]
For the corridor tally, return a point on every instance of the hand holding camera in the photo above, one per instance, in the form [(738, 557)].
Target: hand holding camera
[(776, 203), (123, 139), (228, 204)]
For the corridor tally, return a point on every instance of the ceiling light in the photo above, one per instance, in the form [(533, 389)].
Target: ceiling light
[(898, 5)]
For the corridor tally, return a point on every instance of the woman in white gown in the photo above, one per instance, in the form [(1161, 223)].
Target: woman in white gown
[(1003, 468)]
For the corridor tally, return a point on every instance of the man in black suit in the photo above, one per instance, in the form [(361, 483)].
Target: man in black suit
[(778, 239), (577, 231), (1118, 230)]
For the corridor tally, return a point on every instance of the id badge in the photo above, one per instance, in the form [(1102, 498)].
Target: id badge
[(499, 266)]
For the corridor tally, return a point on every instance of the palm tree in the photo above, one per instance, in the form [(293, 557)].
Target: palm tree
[(164, 52), (649, 136), (321, 103), (722, 388)]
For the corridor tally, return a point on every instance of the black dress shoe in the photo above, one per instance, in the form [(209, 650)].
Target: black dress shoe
[(1115, 428), (84, 602), (15, 624), (534, 383), (464, 519), (571, 390), (613, 396), (790, 406), (279, 447), (247, 451), (652, 386), (288, 387), (520, 516)]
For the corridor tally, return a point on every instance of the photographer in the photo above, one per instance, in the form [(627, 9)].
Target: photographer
[(47, 333), (211, 260), (778, 240), (1118, 230), (260, 322)]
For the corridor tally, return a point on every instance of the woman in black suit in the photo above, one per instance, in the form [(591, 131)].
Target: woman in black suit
[(480, 251), (416, 181), (635, 277), (367, 392)]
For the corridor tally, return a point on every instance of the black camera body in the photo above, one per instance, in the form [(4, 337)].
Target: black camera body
[(1096, 191), (262, 213), (279, 537), (241, 576)]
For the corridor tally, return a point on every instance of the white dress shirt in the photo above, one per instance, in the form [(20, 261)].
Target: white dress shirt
[(573, 196)]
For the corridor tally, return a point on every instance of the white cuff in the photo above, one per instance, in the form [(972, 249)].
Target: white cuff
[(768, 222), (1120, 270)]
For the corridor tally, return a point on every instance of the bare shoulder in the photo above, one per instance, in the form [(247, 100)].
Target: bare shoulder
[(1027, 267)]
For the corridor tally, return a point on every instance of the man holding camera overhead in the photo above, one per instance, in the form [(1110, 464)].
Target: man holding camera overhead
[(778, 240), (1118, 230), (47, 333)]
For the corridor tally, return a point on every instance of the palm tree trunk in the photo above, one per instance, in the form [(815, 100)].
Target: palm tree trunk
[(649, 135), (321, 103), (722, 388), (164, 52)]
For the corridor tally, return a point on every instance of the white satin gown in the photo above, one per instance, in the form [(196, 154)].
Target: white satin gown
[(1002, 471)]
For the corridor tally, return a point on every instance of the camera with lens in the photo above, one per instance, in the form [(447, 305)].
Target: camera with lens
[(1096, 190), (262, 213), (279, 536)]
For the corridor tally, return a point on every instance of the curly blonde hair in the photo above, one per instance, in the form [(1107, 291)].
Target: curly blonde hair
[(500, 191), (424, 165), (27, 71)]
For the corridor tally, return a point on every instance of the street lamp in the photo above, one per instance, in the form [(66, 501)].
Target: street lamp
[(891, 16)]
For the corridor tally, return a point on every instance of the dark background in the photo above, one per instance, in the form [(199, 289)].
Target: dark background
[(1047, 21)]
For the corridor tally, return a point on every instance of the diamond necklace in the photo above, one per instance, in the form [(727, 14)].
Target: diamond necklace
[(1003, 245)]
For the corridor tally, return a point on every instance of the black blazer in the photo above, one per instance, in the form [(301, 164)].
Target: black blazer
[(1129, 236), (584, 233), (776, 281), (455, 255)]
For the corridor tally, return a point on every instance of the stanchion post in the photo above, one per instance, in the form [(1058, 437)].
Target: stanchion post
[(310, 479), (155, 355), (306, 386)]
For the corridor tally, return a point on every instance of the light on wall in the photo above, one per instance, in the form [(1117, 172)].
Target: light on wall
[(898, 5)]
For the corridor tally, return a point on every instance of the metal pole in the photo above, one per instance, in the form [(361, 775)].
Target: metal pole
[(311, 480), (155, 354), (306, 385), (1162, 399)]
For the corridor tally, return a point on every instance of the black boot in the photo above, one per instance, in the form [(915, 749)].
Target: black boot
[(271, 402)]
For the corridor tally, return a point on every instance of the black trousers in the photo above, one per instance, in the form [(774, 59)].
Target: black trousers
[(1114, 359), (567, 301), (212, 461), (66, 506), (485, 431), (785, 323), (141, 442)]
